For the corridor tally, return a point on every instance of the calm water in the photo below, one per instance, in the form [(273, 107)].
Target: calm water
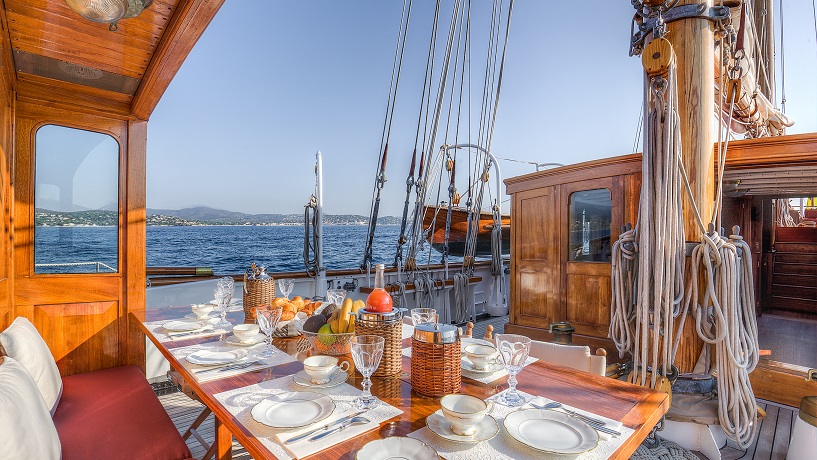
[(227, 249)]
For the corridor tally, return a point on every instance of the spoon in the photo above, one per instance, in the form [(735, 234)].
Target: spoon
[(353, 421)]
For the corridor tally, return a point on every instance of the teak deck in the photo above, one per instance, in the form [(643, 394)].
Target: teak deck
[(636, 407)]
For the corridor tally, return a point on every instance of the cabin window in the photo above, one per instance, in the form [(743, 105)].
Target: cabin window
[(590, 219), (76, 201)]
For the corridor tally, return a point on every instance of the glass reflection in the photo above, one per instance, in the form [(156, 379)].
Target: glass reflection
[(590, 218)]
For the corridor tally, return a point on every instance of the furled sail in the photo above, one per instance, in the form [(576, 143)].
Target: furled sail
[(755, 114)]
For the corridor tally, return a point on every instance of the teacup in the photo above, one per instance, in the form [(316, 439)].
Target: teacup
[(201, 310), (464, 412), (246, 333), (321, 369), (481, 356)]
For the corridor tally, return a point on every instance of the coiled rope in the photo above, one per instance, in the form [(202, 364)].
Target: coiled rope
[(725, 317)]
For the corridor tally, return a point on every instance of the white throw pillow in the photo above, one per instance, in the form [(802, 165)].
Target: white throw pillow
[(23, 343), (27, 429)]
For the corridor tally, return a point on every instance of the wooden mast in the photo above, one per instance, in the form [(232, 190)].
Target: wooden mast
[(694, 45)]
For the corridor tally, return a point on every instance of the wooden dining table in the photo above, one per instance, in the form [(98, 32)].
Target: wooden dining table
[(636, 407)]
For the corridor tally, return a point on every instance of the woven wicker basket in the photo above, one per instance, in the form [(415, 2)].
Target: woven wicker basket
[(436, 368), (392, 333), (257, 293)]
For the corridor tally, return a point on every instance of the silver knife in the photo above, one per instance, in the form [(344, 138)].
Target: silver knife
[(604, 429), (227, 367), (328, 425), (200, 331)]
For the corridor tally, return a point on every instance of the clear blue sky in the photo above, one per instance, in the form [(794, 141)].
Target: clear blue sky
[(271, 82)]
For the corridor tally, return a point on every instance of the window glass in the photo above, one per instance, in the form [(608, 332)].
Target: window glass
[(76, 175), (590, 218)]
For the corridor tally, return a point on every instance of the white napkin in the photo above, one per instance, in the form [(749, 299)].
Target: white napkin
[(240, 402), (305, 447), (408, 331), (609, 423), (181, 353)]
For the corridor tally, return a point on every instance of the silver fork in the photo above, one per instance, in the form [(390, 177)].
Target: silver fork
[(594, 423), (229, 367)]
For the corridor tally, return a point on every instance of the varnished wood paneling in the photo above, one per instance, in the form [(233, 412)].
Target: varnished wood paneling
[(534, 268), (782, 383), (82, 316), (70, 96), (607, 167), (588, 303), (82, 336), (7, 105), (184, 30)]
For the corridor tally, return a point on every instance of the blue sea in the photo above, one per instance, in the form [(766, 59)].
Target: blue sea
[(226, 249)]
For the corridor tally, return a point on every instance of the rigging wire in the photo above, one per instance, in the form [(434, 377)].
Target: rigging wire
[(782, 63), (380, 176)]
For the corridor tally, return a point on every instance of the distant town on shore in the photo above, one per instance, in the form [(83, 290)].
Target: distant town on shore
[(195, 216)]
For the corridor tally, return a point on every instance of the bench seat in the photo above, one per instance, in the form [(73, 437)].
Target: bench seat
[(113, 413)]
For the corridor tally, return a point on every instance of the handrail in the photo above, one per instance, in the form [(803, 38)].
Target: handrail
[(78, 264)]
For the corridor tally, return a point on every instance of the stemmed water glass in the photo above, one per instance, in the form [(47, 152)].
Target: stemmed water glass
[(514, 350), (286, 286), (335, 296), (223, 295), (367, 350), (267, 318), (423, 315)]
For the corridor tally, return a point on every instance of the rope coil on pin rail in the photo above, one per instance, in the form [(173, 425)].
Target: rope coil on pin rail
[(725, 318)]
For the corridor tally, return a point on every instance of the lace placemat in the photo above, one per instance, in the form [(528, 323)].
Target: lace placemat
[(408, 331), (163, 335), (252, 357), (240, 402), (505, 447)]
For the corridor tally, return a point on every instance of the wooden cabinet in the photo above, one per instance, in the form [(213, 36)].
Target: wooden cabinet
[(546, 285)]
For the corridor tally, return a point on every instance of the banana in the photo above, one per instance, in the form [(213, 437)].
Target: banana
[(357, 305), (334, 322), (343, 322)]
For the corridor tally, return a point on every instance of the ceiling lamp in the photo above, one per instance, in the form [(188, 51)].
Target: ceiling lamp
[(108, 11)]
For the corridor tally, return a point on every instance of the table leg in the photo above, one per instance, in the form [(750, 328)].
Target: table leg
[(224, 442)]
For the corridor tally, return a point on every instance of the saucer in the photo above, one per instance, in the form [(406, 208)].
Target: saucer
[(469, 366), (487, 428), (206, 318), (233, 340), (302, 378)]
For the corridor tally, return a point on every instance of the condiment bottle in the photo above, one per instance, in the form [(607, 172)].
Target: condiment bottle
[(379, 301)]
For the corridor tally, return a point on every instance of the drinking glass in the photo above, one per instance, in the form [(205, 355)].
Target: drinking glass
[(223, 297), (423, 316), (286, 287), (514, 350), (366, 353), (227, 283), (267, 318), (335, 296)]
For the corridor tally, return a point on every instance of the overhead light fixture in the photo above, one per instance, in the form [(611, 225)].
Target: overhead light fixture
[(108, 11)]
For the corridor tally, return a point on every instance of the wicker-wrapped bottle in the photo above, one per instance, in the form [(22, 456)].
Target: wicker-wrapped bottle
[(436, 366), (259, 289)]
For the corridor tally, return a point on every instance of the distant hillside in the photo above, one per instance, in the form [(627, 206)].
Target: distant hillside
[(200, 215)]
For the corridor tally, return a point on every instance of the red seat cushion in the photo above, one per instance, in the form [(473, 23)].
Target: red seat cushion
[(112, 414)]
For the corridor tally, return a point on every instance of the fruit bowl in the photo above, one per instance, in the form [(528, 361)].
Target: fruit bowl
[(329, 344)]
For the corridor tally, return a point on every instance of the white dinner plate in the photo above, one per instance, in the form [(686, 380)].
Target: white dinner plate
[(550, 431), (302, 378), (465, 341), (397, 447), (185, 325), (213, 358), (233, 340), (439, 425), (293, 409), (469, 366)]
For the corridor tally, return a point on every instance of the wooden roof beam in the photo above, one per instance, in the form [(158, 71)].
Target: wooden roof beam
[(185, 28)]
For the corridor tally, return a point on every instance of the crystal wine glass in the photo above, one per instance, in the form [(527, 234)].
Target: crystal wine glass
[(367, 350), (227, 282), (514, 350), (267, 318), (223, 297), (286, 286), (423, 315), (335, 296)]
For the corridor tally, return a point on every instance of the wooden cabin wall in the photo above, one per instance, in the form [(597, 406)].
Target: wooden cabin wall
[(545, 286), (7, 105), (84, 318)]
